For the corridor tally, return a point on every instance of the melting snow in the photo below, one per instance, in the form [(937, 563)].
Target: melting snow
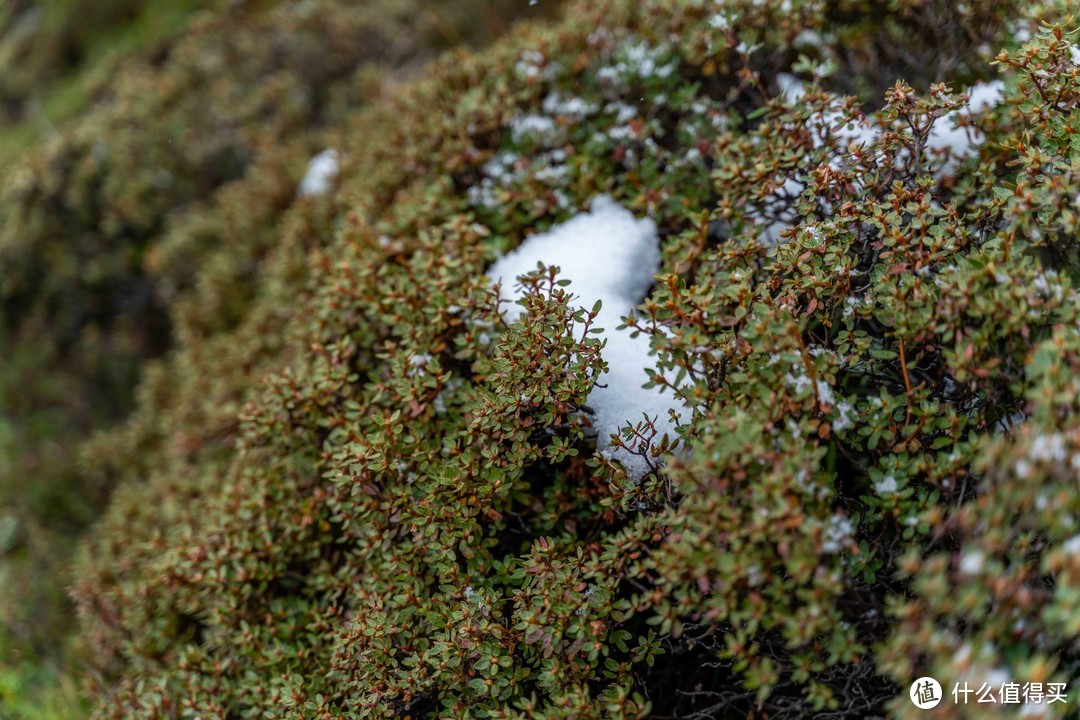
[(321, 171), (609, 255)]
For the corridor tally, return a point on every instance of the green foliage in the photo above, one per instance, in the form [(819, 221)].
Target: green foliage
[(31, 690), (147, 221), (368, 494)]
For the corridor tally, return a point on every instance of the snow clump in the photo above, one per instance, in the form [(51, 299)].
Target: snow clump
[(607, 254), (963, 142), (321, 172)]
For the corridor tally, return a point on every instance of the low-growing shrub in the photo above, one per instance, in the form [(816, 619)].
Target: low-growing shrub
[(145, 222), (863, 327)]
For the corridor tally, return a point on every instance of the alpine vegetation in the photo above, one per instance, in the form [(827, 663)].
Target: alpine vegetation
[(671, 358), (608, 260)]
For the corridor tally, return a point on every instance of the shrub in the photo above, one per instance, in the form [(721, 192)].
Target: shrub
[(860, 307), (147, 219)]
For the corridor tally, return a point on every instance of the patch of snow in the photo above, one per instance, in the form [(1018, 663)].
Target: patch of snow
[(321, 172), (647, 62), (1010, 423), (782, 219), (963, 142), (791, 88), (809, 38), (719, 21), (886, 485), (533, 65), (984, 95), (573, 107), (946, 136), (624, 113), (843, 416), (1048, 448), (1034, 710), (837, 534), (640, 61), (798, 383), (971, 562), (607, 254), (825, 393), (539, 127)]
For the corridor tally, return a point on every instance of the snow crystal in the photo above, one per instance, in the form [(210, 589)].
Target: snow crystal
[(607, 254), (321, 171)]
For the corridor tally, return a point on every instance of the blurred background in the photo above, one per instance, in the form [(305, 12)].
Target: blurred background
[(136, 136)]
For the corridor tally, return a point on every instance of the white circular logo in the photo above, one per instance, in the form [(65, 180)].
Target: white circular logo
[(926, 693)]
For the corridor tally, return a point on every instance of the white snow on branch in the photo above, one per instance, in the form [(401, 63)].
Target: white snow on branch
[(540, 127), (949, 142), (963, 142), (984, 95), (321, 172), (607, 254)]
